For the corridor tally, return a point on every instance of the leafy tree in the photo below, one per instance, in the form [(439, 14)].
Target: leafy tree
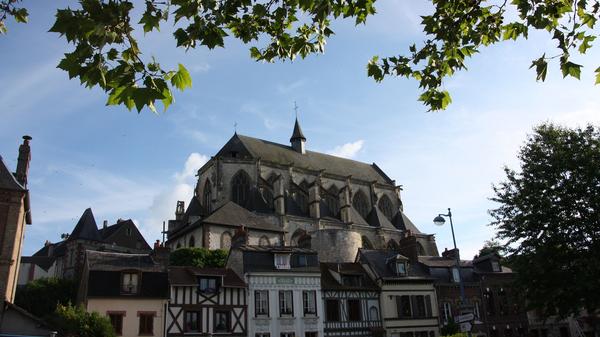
[(41, 296), (74, 321), (198, 257), (549, 217), (491, 246), (106, 53), (451, 329)]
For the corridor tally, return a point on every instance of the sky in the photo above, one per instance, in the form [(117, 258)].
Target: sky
[(128, 165)]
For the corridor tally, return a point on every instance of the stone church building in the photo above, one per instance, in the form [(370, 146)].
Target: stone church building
[(284, 195)]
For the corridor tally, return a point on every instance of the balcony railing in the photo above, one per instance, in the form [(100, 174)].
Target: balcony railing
[(352, 325)]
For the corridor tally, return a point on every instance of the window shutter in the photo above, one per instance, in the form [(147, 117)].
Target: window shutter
[(399, 306), (428, 312), (414, 305), (281, 303)]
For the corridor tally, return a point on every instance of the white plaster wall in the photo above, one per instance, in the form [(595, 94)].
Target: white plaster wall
[(390, 311), (131, 307)]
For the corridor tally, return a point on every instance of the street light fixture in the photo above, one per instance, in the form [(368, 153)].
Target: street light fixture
[(440, 221)]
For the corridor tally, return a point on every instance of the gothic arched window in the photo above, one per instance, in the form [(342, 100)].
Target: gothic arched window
[(386, 207), (264, 241), (366, 244), (392, 245), (361, 204), (192, 242), (374, 313), (297, 234), (240, 188), (225, 240), (300, 195), (332, 200), (267, 196), (207, 196)]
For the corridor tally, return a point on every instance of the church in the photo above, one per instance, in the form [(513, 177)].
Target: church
[(287, 195)]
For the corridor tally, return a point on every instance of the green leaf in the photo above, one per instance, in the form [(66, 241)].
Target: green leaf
[(541, 68), (21, 15), (181, 80), (597, 71), (570, 69), (373, 69)]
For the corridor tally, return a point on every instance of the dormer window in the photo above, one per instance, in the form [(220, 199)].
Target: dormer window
[(129, 283), (282, 261), (455, 275), (208, 285), (401, 268), (496, 266), (352, 280)]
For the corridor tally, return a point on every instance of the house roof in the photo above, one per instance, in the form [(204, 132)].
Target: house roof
[(442, 262), (261, 259), (7, 179), (188, 276), (378, 260), (233, 214), (109, 261), (86, 227), (330, 282), (315, 161), (44, 262)]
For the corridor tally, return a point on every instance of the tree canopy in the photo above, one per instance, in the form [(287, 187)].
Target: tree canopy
[(40, 297), (549, 217), (491, 246), (74, 321), (198, 257), (106, 53)]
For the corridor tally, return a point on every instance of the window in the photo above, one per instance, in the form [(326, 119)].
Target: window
[(419, 306), (192, 322), (207, 196), (495, 266), (401, 268), (302, 261), (309, 302), (116, 320), (128, 231), (192, 242), (287, 334), (300, 196), (447, 310), (352, 280), (455, 275), (129, 283), (333, 310), (282, 261), (491, 305), (354, 314), (222, 320), (146, 324), (366, 244), (332, 201), (386, 207), (373, 313), (311, 334), (476, 309), (240, 188), (261, 303), (286, 305), (403, 303), (226, 240), (393, 245), (207, 285), (360, 204)]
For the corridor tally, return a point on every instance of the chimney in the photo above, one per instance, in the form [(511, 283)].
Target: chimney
[(179, 210), (160, 254), (298, 139), (105, 224), (23, 161), (450, 254), (408, 248), (240, 237)]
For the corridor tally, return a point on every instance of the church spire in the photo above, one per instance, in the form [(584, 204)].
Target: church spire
[(298, 138)]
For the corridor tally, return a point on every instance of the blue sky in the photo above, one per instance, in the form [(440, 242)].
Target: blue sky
[(128, 165)]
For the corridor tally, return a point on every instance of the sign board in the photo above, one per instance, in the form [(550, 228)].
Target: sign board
[(284, 280), (464, 318), (465, 327)]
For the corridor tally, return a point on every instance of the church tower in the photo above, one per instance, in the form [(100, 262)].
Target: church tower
[(298, 140), (14, 214)]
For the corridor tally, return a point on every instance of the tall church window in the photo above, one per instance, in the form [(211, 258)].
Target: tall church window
[(361, 204), (332, 200), (267, 196), (225, 240), (386, 207), (392, 245), (192, 242), (297, 234), (240, 188), (264, 241), (366, 244), (300, 195), (207, 196)]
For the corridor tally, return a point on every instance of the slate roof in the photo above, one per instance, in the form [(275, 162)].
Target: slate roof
[(86, 227), (7, 179), (261, 259), (297, 134), (443, 262), (195, 208), (284, 154), (44, 262), (109, 261), (233, 214), (329, 282), (378, 259), (188, 276)]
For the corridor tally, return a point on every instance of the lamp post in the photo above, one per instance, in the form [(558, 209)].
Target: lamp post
[(439, 221)]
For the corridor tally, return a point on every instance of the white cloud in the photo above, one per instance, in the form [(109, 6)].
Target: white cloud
[(289, 87), (348, 150), (193, 163)]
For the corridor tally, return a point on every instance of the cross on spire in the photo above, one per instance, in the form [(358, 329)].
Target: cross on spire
[(235, 127), (296, 109)]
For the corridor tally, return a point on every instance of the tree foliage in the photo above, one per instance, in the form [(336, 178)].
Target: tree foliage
[(549, 217), (491, 246), (106, 53), (198, 257), (451, 329), (74, 321), (40, 297)]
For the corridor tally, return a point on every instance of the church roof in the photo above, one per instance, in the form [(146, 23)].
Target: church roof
[(402, 222), (297, 134), (7, 179), (376, 218), (86, 227), (245, 146), (233, 214)]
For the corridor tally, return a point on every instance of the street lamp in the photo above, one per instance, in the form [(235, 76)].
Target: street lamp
[(440, 221)]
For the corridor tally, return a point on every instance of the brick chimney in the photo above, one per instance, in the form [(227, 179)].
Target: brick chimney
[(408, 248), (23, 161), (450, 254)]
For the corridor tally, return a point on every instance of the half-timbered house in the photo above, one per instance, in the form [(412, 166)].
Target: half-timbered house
[(206, 302), (351, 301)]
